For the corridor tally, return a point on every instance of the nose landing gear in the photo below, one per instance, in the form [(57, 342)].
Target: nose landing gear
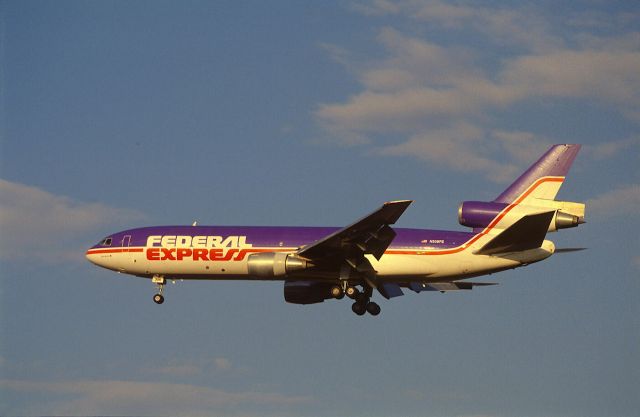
[(160, 281)]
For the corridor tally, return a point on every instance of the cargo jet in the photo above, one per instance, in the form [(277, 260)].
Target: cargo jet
[(367, 257)]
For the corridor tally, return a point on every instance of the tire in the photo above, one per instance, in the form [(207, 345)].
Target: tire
[(158, 299), (373, 308), (352, 292), (358, 308), (336, 292)]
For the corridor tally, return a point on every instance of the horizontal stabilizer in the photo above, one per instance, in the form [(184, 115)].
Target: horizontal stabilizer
[(447, 286), (527, 233)]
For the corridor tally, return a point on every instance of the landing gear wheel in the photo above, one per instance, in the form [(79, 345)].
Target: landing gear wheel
[(352, 292), (337, 293), (358, 308), (160, 281), (373, 308)]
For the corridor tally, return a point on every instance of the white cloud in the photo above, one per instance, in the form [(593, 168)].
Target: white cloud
[(422, 92), (185, 368), (464, 148), (110, 397), (376, 7), (422, 62), (178, 370), (622, 201), (402, 110), (612, 76), (593, 19), (509, 26), (521, 146), (608, 149), (223, 364), (337, 53), (422, 81), (37, 224)]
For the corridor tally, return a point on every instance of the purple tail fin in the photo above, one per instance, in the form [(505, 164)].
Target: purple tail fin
[(554, 164)]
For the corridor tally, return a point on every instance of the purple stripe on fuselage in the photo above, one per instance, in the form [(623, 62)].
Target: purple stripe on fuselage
[(554, 163), (268, 236)]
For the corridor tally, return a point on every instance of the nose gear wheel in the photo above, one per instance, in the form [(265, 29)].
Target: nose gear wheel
[(160, 282)]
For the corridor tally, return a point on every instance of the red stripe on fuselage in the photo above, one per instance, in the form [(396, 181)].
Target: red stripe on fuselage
[(239, 254), (491, 225), (96, 251)]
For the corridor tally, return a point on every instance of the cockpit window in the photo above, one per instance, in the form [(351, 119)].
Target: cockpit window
[(106, 241)]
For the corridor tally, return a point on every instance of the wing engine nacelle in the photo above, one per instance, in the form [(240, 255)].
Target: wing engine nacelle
[(479, 214), (270, 265), (306, 292)]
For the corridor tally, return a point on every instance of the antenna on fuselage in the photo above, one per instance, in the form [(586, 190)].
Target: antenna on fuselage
[(195, 223)]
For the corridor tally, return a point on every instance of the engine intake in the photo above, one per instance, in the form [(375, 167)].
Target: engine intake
[(275, 264)]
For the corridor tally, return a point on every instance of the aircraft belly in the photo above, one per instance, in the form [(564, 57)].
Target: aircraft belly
[(401, 265), (390, 266), (440, 266)]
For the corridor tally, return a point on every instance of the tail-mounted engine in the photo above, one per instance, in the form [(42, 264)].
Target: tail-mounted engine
[(479, 214), (275, 264)]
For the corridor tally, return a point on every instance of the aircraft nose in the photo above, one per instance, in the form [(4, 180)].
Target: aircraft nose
[(92, 257), (88, 256), (102, 258)]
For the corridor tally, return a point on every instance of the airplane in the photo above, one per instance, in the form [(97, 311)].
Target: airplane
[(322, 263)]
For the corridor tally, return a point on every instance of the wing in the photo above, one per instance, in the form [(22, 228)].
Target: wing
[(369, 235)]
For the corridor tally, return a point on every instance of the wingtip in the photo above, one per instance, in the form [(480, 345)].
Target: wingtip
[(407, 202)]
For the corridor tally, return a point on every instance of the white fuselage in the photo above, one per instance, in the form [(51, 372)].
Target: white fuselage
[(231, 262)]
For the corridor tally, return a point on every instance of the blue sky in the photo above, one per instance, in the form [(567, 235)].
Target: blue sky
[(124, 114)]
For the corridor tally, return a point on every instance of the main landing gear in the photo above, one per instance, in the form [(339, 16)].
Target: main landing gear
[(160, 281), (370, 307), (362, 304)]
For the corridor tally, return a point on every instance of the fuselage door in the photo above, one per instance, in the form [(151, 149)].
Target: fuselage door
[(126, 241), (126, 254)]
